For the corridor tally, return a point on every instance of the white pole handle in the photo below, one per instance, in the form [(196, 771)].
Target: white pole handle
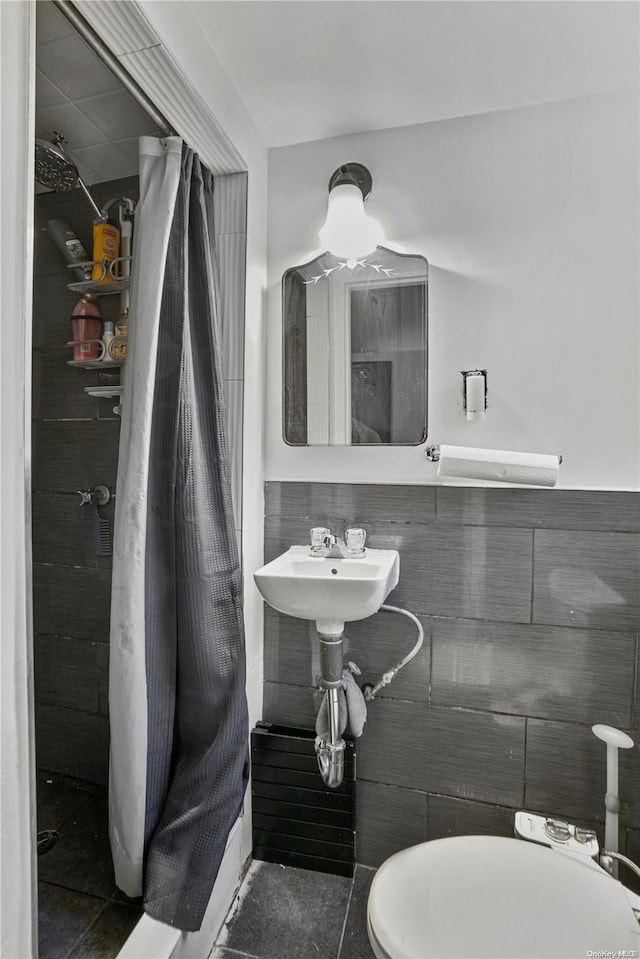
[(615, 740), (612, 736)]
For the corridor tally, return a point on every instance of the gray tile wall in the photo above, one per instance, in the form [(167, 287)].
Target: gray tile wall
[(530, 602), (75, 446)]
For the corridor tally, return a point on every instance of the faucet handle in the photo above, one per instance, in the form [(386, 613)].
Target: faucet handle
[(319, 537), (354, 539)]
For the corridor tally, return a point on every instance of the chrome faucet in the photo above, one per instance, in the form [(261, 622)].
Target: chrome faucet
[(324, 543)]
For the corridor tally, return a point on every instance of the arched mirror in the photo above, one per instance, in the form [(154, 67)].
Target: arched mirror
[(355, 351)]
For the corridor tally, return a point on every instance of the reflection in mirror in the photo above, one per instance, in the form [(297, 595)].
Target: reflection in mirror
[(355, 351)]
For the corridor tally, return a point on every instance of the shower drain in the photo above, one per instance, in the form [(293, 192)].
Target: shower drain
[(46, 840)]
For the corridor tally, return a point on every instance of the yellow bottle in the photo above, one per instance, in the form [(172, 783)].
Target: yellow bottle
[(106, 249)]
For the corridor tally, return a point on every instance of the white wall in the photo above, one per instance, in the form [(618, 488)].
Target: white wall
[(18, 872), (529, 219)]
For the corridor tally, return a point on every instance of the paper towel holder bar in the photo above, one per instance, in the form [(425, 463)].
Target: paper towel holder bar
[(432, 453)]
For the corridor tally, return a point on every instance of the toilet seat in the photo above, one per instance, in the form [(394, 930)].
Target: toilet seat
[(486, 896)]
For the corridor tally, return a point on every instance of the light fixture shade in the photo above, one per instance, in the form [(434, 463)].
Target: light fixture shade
[(349, 232)]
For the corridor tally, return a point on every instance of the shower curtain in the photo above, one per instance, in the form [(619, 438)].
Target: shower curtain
[(177, 704)]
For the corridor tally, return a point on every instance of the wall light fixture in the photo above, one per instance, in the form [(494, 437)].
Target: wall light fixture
[(348, 231)]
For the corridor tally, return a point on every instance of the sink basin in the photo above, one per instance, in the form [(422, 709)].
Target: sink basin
[(328, 590)]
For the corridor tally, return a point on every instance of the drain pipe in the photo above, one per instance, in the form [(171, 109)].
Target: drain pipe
[(330, 752)]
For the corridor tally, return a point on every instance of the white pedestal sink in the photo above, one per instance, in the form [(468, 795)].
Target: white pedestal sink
[(329, 590)]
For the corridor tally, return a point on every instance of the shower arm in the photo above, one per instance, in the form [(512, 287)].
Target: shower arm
[(98, 212)]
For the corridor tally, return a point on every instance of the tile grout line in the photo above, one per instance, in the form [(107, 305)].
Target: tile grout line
[(533, 575), (233, 952), (77, 892), (635, 704), (86, 930), (524, 762), (431, 646), (346, 915)]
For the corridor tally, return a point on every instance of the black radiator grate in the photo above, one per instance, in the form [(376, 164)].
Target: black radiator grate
[(297, 820)]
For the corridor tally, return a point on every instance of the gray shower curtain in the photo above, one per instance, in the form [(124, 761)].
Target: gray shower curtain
[(197, 761), (193, 644)]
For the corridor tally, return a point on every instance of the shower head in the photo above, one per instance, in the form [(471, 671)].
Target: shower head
[(57, 171), (53, 167)]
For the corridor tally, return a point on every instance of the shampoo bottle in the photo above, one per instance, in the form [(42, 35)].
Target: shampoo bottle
[(69, 245), (106, 248), (107, 340), (86, 329)]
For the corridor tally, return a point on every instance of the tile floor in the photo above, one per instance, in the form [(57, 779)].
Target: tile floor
[(281, 912), (288, 913), (81, 912)]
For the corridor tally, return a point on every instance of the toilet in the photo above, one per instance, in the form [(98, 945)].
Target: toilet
[(488, 897)]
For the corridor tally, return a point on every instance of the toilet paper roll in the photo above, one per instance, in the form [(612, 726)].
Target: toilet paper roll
[(501, 466)]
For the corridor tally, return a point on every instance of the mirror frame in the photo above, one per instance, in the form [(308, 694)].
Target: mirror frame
[(425, 347)]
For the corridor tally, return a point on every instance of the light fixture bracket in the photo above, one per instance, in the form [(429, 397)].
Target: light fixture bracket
[(354, 174)]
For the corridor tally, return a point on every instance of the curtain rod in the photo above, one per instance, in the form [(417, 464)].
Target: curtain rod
[(68, 11)]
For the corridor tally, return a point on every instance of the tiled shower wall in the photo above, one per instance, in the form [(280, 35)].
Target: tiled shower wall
[(530, 603), (75, 446)]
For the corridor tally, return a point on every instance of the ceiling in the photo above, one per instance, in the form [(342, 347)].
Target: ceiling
[(78, 96), (309, 69)]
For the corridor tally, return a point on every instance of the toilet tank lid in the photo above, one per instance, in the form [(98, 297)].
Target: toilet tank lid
[(486, 896)]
